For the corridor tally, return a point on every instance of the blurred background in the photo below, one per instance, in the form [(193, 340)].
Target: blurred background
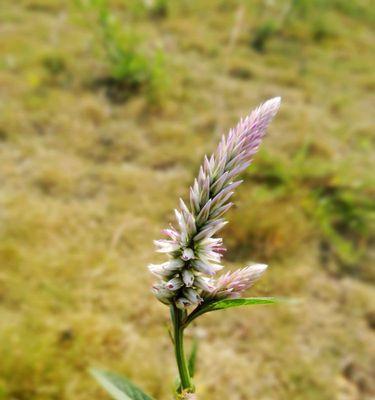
[(107, 109)]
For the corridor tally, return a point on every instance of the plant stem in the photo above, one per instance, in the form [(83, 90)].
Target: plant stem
[(183, 369)]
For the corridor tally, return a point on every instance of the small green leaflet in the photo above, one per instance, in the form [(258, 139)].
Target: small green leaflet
[(251, 301), (118, 387), (228, 303)]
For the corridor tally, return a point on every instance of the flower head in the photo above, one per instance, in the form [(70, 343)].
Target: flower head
[(194, 253), (233, 284)]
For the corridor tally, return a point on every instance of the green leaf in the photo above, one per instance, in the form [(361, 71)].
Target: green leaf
[(118, 387), (250, 301), (193, 358), (214, 305)]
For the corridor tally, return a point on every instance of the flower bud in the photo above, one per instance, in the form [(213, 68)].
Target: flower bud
[(183, 303), (174, 284), (187, 277), (192, 295), (162, 294), (187, 254), (206, 284), (166, 269)]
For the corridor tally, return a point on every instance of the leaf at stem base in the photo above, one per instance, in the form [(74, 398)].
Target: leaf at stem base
[(117, 386)]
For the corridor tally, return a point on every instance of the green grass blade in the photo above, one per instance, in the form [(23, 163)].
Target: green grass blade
[(117, 386), (193, 358)]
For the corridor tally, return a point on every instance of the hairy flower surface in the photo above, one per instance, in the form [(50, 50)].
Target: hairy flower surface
[(233, 284), (193, 251)]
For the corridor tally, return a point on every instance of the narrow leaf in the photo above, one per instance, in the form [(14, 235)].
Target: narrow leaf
[(250, 301), (193, 358), (192, 361), (228, 303), (118, 387)]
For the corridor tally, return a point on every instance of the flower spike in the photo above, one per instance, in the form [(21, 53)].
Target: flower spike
[(194, 253)]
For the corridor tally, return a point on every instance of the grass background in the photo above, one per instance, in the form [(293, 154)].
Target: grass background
[(92, 165)]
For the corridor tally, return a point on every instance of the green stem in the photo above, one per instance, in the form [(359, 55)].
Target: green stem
[(183, 369), (200, 310)]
